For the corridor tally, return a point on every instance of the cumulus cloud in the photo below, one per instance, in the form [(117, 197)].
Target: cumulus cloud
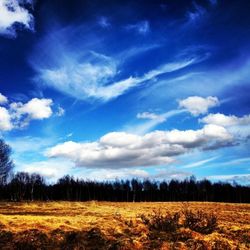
[(35, 109), (238, 126), (121, 149), (226, 120), (5, 120), (19, 115), (197, 105), (3, 99), (12, 12)]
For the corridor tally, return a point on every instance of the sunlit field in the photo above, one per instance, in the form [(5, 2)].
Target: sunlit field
[(104, 225)]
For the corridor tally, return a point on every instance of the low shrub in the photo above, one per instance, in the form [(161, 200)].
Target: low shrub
[(161, 222), (200, 221)]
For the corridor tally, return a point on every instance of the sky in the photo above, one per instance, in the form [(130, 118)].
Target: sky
[(108, 89)]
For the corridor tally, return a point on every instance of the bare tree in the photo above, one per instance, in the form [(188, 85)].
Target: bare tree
[(6, 164)]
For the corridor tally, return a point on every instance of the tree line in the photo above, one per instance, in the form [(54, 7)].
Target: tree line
[(24, 186)]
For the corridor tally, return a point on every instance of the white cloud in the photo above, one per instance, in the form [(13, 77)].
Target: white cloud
[(5, 120), (226, 120), (121, 150), (94, 81), (3, 99), (85, 79), (120, 139), (195, 83), (12, 13), (85, 73), (169, 67), (238, 126), (19, 115), (36, 109), (197, 105)]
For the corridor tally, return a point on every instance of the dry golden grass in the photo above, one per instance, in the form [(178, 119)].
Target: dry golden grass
[(121, 227)]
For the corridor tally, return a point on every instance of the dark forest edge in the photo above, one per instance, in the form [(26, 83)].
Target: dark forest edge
[(32, 187), (24, 186)]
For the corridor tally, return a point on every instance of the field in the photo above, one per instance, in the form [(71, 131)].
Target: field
[(104, 225)]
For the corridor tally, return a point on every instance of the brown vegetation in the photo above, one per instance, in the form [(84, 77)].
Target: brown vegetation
[(104, 225)]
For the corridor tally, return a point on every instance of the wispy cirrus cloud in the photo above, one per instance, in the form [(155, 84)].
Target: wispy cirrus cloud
[(195, 105), (142, 27), (200, 163), (152, 120), (94, 78), (213, 82), (90, 71), (13, 12), (150, 116)]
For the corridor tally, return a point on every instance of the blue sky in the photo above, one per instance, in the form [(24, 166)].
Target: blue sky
[(122, 89)]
